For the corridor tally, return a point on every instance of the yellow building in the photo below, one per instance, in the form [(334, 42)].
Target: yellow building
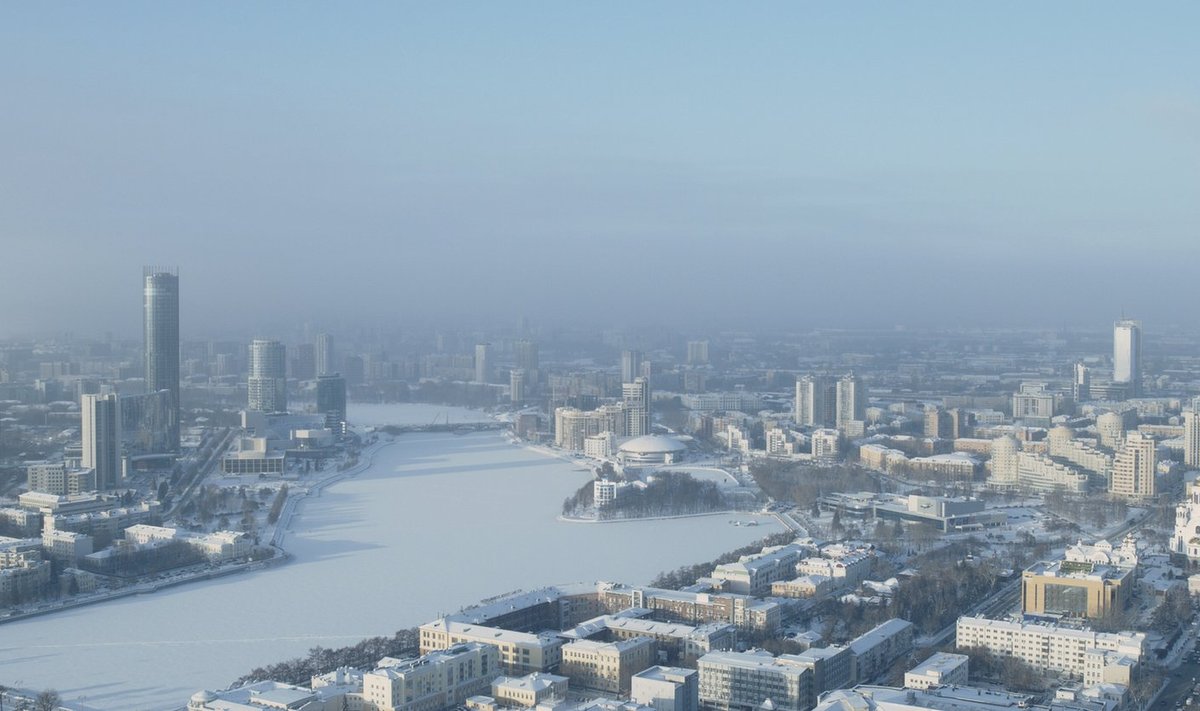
[(1075, 589), (607, 667), (520, 652)]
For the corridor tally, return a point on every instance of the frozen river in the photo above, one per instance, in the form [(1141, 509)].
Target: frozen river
[(439, 522)]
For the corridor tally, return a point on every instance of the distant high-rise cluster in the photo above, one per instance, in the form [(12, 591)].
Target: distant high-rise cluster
[(267, 384), (160, 329)]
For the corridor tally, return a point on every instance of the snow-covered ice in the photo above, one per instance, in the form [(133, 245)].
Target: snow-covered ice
[(439, 522)]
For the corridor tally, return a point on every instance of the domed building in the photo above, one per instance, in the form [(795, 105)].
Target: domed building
[(651, 450), (200, 700)]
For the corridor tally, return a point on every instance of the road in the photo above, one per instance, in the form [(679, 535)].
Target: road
[(201, 472), (1004, 599)]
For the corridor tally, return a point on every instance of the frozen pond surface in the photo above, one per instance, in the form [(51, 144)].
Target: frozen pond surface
[(439, 522)]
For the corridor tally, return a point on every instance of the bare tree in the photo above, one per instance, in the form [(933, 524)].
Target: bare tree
[(48, 700)]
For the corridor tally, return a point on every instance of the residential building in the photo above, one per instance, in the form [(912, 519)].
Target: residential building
[(753, 574), (1033, 405), (516, 386), (1051, 647), (874, 651), (851, 405), (825, 444), (1110, 427), (697, 352), (636, 398), (1134, 468), (56, 478), (816, 401), (1191, 438), (520, 653)]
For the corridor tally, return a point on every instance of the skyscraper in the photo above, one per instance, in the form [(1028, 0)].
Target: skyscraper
[(1191, 437), (816, 398), (697, 352), (1127, 355), (851, 404), (631, 365), (100, 417), (324, 354), (1081, 384), (331, 401), (302, 361), (516, 385), (636, 397), (483, 363), (526, 353), (267, 384), (160, 330)]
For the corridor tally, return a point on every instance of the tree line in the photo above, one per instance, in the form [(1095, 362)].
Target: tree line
[(364, 655)]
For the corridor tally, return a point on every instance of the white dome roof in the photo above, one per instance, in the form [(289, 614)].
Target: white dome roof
[(653, 444), (203, 696)]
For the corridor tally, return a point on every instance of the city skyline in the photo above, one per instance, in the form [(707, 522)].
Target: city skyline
[(766, 144)]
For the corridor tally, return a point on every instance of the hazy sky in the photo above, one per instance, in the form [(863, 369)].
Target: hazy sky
[(798, 163)]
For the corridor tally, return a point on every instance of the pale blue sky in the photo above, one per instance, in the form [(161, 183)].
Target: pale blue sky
[(862, 163)]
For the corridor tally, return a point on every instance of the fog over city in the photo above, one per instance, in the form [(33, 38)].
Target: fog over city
[(704, 164)]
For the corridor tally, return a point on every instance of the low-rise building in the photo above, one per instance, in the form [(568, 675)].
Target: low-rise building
[(941, 669), (529, 690), (432, 682), (1048, 646), (666, 688), (875, 650), (743, 681), (520, 653), (606, 667), (815, 585), (754, 574)]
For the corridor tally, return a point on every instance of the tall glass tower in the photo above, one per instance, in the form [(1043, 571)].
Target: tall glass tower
[(160, 327)]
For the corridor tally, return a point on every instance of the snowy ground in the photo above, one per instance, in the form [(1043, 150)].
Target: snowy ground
[(439, 522)]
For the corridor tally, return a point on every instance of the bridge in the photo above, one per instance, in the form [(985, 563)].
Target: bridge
[(452, 427)]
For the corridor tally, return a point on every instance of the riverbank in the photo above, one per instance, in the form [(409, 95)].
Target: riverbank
[(754, 515), (184, 577)]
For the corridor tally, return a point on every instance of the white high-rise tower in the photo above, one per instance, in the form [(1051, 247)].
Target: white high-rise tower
[(1127, 355), (267, 384)]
